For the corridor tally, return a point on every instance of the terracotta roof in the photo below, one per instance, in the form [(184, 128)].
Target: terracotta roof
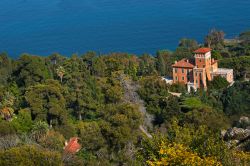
[(72, 146), (202, 50), (183, 63)]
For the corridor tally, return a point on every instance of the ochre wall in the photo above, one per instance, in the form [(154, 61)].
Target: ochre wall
[(179, 74)]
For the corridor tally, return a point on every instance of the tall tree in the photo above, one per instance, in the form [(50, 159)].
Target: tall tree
[(161, 65), (5, 68), (47, 102), (6, 106), (60, 72), (31, 70), (215, 39), (190, 44)]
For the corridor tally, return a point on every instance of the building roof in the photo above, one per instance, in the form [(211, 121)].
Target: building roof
[(183, 63), (202, 50), (72, 146)]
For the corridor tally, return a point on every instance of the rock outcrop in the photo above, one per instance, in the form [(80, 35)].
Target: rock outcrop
[(238, 137)]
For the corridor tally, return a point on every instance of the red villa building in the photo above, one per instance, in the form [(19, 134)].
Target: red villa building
[(196, 72)]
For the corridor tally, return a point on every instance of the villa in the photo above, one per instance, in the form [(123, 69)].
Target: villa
[(196, 72)]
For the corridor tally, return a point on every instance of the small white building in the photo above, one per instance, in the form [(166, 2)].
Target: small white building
[(225, 73)]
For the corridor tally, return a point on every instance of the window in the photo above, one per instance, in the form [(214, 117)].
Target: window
[(200, 60), (183, 70), (204, 66), (182, 78), (196, 81), (175, 70), (176, 78), (196, 74)]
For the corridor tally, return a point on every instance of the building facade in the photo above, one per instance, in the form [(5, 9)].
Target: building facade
[(196, 72)]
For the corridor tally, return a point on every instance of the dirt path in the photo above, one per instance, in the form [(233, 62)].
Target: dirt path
[(131, 96)]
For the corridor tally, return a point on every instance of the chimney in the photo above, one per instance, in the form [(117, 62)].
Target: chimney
[(175, 62), (187, 61), (212, 60)]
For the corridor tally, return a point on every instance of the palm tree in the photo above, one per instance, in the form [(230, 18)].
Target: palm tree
[(40, 130), (60, 72), (7, 113), (6, 105)]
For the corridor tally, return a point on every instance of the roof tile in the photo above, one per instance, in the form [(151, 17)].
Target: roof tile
[(202, 50), (183, 63), (72, 146)]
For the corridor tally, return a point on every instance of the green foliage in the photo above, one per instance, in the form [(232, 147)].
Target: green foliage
[(29, 155), (39, 130), (236, 99), (216, 55), (218, 83), (99, 67), (245, 38), (52, 140), (6, 128), (189, 44), (215, 39), (23, 121), (192, 103), (181, 143), (91, 136), (67, 130), (241, 65), (60, 71), (31, 70), (178, 88), (5, 68), (159, 102), (120, 124), (213, 119), (47, 102), (146, 65)]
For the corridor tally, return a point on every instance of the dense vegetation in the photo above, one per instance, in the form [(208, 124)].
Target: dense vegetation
[(45, 101)]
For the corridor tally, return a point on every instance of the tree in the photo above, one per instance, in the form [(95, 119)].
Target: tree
[(161, 65), (146, 65), (216, 55), (91, 136), (245, 37), (236, 99), (119, 124), (53, 140), (241, 65), (6, 110), (190, 44), (39, 130), (60, 72), (218, 83), (168, 59), (23, 121), (29, 155), (215, 39), (99, 67), (47, 102), (30, 70), (5, 68)]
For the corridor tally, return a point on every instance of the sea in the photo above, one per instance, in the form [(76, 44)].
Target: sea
[(44, 27)]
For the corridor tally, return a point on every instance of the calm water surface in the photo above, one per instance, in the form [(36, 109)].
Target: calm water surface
[(134, 26)]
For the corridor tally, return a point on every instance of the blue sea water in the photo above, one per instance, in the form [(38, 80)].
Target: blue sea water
[(135, 26)]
